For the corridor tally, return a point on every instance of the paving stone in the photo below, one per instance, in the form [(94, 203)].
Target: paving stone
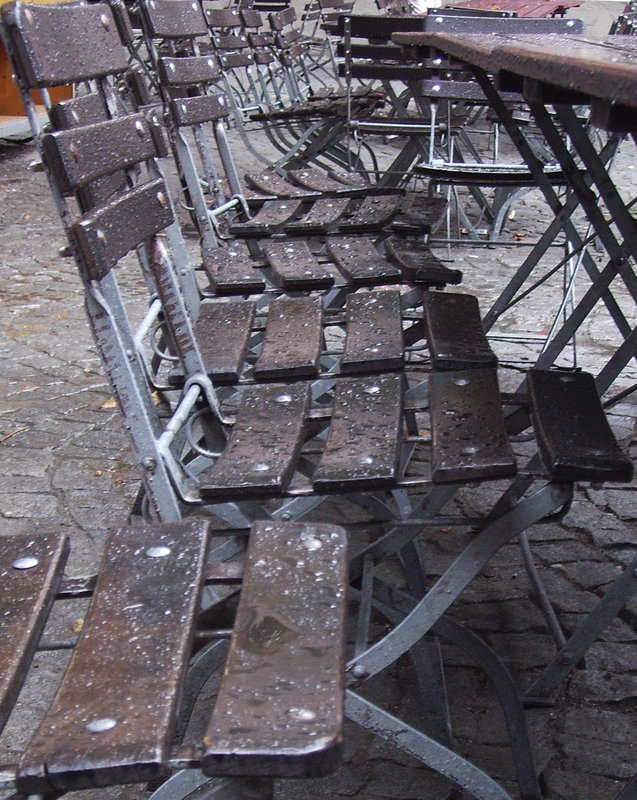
[(26, 505), (573, 784)]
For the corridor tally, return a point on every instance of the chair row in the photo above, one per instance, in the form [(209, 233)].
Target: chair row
[(282, 396)]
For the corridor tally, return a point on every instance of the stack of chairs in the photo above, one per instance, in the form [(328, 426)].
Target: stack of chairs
[(282, 392), (310, 231)]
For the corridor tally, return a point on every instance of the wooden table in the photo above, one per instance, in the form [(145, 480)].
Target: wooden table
[(521, 8), (557, 74)]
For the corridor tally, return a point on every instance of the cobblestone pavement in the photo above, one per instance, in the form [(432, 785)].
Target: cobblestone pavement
[(64, 464)]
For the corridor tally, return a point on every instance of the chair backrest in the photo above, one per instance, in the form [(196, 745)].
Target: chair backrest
[(132, 215)]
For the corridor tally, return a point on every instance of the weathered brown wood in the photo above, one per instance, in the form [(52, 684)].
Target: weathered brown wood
[(260, 455), (374, 337), (222, 331), (295, 267), (187, 70), (293, 338), (363, 443), (272, 215), (418, 264), (223, 17), (38, 34), (113, 717), (575, 439), (110, 231), (321, 218), (197, 110), (272, 183), (167, 20), (374, 212), (30, 572), (81, 155), (319, 181), (279, 710), (232, 271), (360, 262), (469, 438), (454, 331)]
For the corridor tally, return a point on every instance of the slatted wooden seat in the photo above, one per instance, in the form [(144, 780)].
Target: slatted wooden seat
[(114, 716)]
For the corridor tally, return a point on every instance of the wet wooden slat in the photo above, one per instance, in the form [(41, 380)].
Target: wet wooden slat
[(31, 568), (38, 36), (81, 155), (222, 331), (374, 338), (260, 455), (113, 718), (295, 267), (469, 438), (418, 264), (363, 442), (271, 216), (361, 263), (575, 439), (293, 337), (374, 212), (168, 20), (197, 110), (110, 231), (419, 214), (279, 710), (187, 70), (319, 181), (272, 183), (232, 271), (322, 216), (454, 331)]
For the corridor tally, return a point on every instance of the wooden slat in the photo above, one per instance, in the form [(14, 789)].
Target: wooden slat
[(81, 155), (113, 717), (197, 110), (270, 217), (319, 181), (374, 338), (260, 455), (363, 442), (223, 17), (374, 212), (232, 271), (279, 710), (321, 218), (272, 183), (295, 267), (107, 233), (419, 264), (174, 71), (469, 438), (293, 338), (361, 263), (575, 439), (38, 36), (30, 572), (419, 214), (454, 331), (223, 331), (168, 20)]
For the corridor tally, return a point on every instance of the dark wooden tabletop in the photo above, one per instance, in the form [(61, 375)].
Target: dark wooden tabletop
[(522, 8), (603, 68)]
